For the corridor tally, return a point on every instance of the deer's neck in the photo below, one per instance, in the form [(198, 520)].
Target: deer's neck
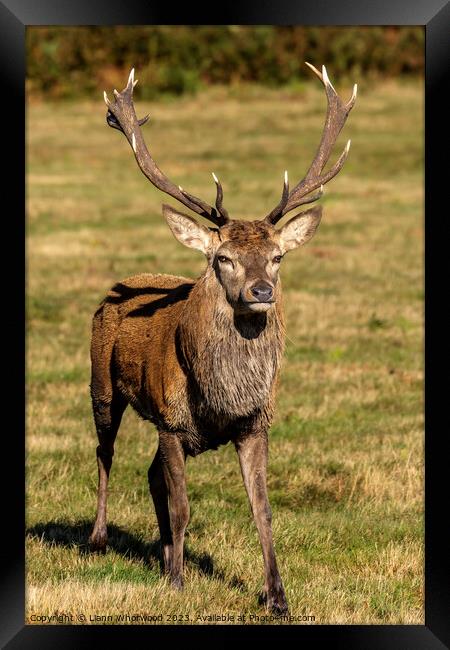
[(233, 360)]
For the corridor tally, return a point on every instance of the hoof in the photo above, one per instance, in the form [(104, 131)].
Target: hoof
[(177, 582), (275, 602), (98, 542), (278, 607)]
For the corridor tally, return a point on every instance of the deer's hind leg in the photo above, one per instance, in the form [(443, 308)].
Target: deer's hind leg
[(107, 415)]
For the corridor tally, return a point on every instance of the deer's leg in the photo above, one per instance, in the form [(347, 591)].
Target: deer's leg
[(160, 496), (173, 461), (252, 451), (107, 416)]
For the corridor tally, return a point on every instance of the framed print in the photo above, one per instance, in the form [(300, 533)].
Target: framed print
[(316, 511)]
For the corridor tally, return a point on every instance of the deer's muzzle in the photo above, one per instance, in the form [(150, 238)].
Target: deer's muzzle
[(258, 298)]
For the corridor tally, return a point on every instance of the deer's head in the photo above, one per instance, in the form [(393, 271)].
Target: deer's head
[(244, 255)]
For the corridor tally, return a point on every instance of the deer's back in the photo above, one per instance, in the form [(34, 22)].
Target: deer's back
[(146, 295), (133, 339)]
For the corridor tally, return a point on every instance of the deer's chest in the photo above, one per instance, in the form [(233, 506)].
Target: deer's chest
[(233, 379)]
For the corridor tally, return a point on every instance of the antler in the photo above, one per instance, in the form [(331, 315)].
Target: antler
[(122, 116), (337, 113)]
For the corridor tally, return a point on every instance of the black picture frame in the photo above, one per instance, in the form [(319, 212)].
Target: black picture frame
[(434, 15)]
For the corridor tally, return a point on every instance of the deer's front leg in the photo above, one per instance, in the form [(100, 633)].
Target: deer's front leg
[(160, 496), (252, 451), (173, 463)]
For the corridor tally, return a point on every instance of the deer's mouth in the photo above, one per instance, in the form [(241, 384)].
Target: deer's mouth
[(258, 306), (253, 306)]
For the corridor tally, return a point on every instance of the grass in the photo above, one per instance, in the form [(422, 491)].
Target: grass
[(346, 451)]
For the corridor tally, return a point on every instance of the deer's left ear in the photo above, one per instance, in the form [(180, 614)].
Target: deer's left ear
[(299, 230)]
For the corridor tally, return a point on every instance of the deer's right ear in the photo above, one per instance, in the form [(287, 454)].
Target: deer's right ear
[(187, 230)]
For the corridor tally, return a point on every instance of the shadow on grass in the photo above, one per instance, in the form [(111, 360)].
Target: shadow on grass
[(126, 544)]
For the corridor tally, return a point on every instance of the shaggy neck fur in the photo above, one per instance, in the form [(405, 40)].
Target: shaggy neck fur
[(233, 360)]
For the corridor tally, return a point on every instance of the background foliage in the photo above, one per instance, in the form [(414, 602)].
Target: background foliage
[(66, 62)]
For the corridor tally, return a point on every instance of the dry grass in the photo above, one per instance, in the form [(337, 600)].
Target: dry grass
[(346, 454)]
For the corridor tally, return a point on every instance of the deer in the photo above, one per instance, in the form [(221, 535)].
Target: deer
[(200, 358)]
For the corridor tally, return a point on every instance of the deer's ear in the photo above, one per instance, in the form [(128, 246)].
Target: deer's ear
[(187, 230), (299, 230)]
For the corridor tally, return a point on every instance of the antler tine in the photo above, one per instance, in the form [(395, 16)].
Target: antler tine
[(219, 199), (277, 212), (307, 199), (219, 219), (337, 113), (121, 115)]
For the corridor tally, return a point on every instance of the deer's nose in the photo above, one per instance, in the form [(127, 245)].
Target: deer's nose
[(263, 292)]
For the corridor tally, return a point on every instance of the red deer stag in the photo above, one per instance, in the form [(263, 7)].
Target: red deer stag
[(200, 358)]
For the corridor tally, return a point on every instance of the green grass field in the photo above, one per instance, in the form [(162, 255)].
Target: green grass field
[(346, 451)]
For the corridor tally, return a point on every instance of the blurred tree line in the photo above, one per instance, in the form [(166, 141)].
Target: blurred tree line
[(64, 62)]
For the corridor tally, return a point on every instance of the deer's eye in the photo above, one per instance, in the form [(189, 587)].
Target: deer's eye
[(224, 259), (277, 259)]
